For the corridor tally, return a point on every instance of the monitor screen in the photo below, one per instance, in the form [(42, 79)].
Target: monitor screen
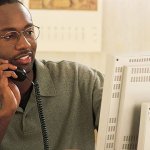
[(126, 87)]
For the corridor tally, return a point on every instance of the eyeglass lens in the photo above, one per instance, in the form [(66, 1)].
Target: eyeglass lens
[(29, 33)]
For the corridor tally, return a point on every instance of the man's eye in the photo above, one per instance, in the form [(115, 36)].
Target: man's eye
[(29, 32), (10, 36)]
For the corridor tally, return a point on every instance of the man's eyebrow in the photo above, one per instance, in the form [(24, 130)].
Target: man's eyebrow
[(28, 25), (8, 29), (14, 29)]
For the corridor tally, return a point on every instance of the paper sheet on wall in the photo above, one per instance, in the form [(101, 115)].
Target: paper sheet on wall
[(69, 30)]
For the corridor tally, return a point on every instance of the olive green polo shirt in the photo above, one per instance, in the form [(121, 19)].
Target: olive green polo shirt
[(71, 96)]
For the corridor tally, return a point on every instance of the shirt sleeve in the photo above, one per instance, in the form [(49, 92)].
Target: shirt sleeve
[(97, 97)]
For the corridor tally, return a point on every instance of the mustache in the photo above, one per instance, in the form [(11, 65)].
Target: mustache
[(21, 54)]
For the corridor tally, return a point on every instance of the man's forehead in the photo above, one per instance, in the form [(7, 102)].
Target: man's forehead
[(14, 14)]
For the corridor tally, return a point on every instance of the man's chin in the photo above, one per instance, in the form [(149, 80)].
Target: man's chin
[(26, 67)]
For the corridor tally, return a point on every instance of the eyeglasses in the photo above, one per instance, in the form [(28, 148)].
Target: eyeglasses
[(30, 33)]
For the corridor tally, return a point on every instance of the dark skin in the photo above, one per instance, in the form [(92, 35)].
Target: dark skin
[(17, 18)]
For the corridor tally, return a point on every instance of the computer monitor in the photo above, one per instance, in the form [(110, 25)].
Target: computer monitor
[(144, 129), (126, 87)]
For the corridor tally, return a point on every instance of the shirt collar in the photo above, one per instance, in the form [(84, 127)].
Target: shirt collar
[(44, 79)]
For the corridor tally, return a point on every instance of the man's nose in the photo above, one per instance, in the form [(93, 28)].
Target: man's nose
[(22, 42)]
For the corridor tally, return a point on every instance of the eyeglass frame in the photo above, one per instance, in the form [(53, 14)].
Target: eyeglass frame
[(19, 33)]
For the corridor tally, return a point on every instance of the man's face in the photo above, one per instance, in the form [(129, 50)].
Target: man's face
[(21, 52)]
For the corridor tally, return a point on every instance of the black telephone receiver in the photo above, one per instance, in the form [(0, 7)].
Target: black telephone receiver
[(21, 73)]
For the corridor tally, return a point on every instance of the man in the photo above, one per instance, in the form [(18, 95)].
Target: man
[(70, 93)]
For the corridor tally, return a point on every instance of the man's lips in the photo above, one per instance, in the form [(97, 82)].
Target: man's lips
[(23, 55), (23, 58)]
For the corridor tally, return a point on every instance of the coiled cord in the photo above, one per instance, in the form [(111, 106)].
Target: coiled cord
[(21, 77), (41, 115)]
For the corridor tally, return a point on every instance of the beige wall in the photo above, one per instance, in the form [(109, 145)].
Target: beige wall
[(95, 60), (126, 28)]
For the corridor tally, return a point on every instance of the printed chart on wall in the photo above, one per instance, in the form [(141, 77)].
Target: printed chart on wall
[(68, 25)]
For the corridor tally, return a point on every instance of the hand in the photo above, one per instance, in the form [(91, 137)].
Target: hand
[(9, 92)]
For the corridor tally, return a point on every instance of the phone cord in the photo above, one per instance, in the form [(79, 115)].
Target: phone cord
[(41, 115)]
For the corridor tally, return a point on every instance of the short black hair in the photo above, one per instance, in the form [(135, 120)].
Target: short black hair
[(3, 2)]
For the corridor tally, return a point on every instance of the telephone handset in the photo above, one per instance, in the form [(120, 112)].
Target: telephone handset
[(21, 73)]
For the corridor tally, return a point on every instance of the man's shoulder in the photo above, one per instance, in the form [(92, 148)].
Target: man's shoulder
[(65, 65), (62, 63), (70, 69)]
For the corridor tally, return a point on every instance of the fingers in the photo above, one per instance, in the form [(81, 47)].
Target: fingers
[(2, 61), (8, 74), (7, 69), (9, 92), (7, 66)]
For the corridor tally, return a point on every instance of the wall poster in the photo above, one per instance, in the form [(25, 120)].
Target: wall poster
[(67, 25)]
